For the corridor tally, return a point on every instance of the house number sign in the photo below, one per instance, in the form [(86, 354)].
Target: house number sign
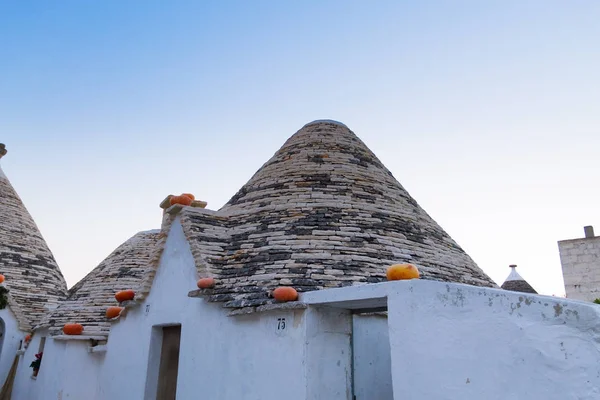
[(280, 324)]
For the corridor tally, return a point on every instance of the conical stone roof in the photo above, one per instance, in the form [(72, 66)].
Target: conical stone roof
[(32, 275), (132, 265), (516, 283), (322, 212)]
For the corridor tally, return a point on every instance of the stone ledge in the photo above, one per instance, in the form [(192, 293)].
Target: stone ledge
[(241, 311), (128, 304), (79, 337), (292, 305), (200, 293), (97, 349)]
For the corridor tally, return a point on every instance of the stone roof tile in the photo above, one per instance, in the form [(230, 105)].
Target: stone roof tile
[(130, 266), (33, 278), (322, 212)]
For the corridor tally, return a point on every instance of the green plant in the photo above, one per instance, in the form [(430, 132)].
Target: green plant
[(3, 297), (37, 362), (597, 301)]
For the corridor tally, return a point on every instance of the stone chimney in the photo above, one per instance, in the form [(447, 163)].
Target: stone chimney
[(580, 260), (589, 231), (3, 150)]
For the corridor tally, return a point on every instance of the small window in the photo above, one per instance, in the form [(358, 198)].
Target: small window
[(37, 363)]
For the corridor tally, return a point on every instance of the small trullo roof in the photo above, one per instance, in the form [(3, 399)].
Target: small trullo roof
[(33, 278), (516, 283), (130, 266)]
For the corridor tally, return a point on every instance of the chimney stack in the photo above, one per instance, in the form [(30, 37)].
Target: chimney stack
[(589, 231), (3, 150)]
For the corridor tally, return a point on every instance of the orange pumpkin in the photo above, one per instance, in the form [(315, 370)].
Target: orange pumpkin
[(125, 295), (113, 312), (191, 196), (206, 283), (398, 272), (183, 200), (73, 329), (285, 293), (27, 338), (1, 278)]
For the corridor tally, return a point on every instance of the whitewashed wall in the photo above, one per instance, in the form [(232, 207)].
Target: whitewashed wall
[(10, 343), (446, 341), (461, 342), (451, 341), (67, 371), (580, 259), (24, 386), (222, 358)]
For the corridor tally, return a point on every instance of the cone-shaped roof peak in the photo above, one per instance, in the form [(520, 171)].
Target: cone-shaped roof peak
[(324, 211), (32, 276)]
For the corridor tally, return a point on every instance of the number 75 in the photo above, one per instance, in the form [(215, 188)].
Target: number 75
[(280, 324)]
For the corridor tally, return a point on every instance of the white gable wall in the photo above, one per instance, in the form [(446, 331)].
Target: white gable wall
[(48, 381), (10, 342), (221, 357)]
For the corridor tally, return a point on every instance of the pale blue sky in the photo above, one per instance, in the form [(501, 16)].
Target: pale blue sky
[(486, 111)]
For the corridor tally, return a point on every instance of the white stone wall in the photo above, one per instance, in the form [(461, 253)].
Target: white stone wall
[(580, 259), (221, 358), (451, 341), (10, 342), (446, 341), (68, 371)]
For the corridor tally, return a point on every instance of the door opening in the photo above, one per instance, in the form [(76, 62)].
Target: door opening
[(169, 363), (371, 357)]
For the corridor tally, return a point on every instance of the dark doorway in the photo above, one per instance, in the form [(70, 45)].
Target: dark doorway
[(169, 363)]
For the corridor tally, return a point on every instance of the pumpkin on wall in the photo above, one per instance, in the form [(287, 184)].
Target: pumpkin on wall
[(206, 283), (183, 200), (125, 295), (398, 272), (285, 293), (113, 312), (73, 329)]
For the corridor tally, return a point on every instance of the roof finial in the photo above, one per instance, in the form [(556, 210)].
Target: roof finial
[(588, 230), (3, 150), (513, 266)]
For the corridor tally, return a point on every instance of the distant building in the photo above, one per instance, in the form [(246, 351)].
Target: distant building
[(580, 259), (516, 283), (325, 217)]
